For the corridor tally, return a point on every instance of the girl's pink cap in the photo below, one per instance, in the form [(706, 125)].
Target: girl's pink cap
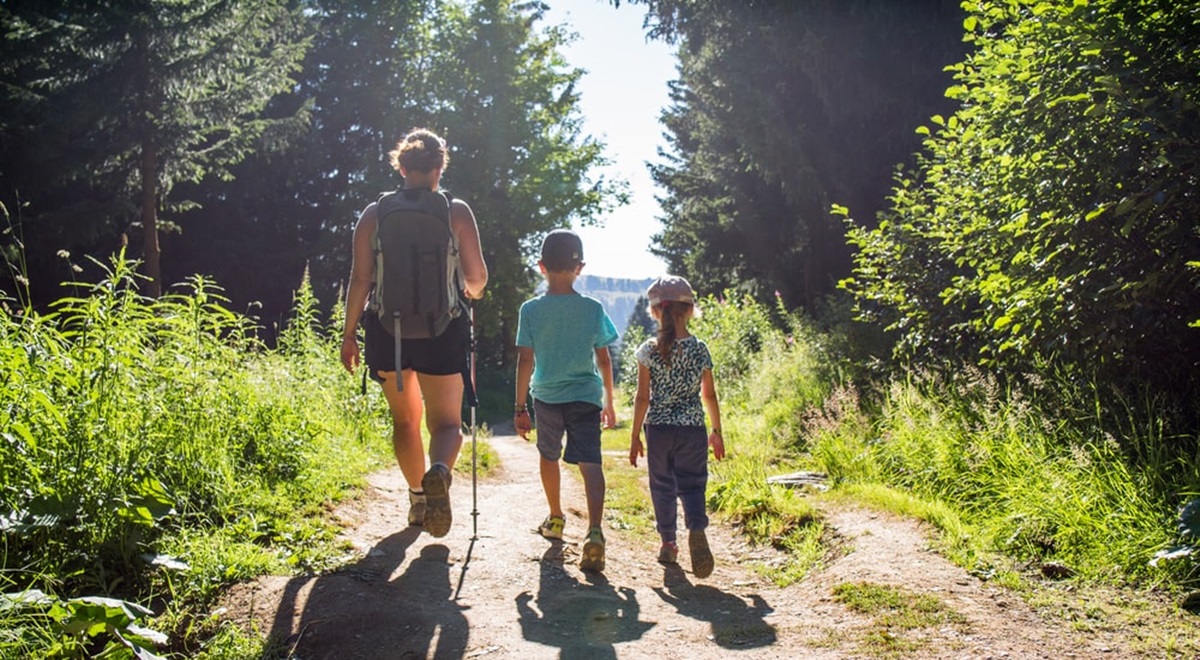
[(670, 288)]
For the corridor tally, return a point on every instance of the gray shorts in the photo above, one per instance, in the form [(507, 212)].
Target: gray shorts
[(579, 421)]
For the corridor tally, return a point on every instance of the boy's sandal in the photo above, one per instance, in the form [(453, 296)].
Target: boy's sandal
[(552, 527)]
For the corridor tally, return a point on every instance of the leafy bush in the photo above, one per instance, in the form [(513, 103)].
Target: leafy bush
[(735, 329), (1031, 485), (155, 447), (1051, 219)]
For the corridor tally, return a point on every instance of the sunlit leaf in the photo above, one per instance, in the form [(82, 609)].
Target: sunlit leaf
[(1172, 553), (27, 598), (165, 561)]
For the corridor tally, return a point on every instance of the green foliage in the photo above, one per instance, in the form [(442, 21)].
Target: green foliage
[(509, 105), (774, 375), (487, 75), (638, 328), (108, 107), (781, 109), (1029, 484), (153, 448), (1051, 217), (84, 627), (736, 329), (896, 607), (303, 334), (627, 364)]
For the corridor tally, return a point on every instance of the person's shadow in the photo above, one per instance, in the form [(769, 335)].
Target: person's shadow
[(583, 620), (735, 623), (361, 611)]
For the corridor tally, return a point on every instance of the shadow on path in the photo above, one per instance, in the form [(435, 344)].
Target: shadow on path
[(735, 623), (365, 611), (584, 620)]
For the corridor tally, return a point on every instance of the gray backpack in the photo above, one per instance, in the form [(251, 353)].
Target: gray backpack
[(417, 273)]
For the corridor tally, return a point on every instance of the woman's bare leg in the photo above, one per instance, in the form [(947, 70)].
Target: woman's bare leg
[(406, 409), (443, 416)]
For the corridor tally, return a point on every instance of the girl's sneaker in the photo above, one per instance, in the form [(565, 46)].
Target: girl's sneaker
[(702, 558), (593, 551), (668, 553), (552, 527)]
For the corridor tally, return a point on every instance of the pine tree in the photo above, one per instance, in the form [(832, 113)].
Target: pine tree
[(114, 104)]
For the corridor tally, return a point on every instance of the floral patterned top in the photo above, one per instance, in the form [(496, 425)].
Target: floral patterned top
[(675, 390)]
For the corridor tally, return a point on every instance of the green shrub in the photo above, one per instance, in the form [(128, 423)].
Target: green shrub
[(1032, 487), (156, 447)]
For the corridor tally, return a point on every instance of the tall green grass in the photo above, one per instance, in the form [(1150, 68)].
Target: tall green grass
[(154, 450), (1022, 481)]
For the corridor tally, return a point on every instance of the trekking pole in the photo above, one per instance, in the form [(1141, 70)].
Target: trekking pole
[(474, 401)]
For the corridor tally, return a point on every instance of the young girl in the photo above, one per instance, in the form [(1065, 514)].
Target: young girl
[(674, 377)]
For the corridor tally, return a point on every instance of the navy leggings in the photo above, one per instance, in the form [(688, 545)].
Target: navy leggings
[(677, 460)]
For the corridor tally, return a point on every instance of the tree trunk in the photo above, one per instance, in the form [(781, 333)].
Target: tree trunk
[(150, 251)]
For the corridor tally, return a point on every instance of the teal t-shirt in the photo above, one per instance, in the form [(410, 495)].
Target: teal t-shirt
[(564, 331)]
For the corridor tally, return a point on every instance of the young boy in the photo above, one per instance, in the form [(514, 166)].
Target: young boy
[(562, 345)]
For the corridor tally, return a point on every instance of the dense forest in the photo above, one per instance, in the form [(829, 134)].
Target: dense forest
[(935, 194), (249, 167)]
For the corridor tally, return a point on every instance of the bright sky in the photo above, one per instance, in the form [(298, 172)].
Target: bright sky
[(621, 95)]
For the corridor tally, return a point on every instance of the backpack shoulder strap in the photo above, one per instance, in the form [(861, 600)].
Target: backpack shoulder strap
[(435, 203)]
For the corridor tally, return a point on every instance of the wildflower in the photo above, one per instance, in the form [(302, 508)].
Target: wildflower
[(63, 254)]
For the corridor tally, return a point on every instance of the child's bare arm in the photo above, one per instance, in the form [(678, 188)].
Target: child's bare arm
[(608, 417), (708, 392), (641, 404), (521, 420)]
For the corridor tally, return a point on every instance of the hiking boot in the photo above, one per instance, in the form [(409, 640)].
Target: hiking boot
[(668, 553), (702, 558), (593, 551), (416, 508), (552, 527), (436, 484)]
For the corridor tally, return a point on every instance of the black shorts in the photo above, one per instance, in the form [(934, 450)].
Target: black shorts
[(443, 355)]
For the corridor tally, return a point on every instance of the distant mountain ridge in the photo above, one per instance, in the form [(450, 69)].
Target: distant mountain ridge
[(618, 295)]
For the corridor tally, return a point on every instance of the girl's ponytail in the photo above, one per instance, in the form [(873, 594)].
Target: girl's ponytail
[(666, 331), (671, 313)]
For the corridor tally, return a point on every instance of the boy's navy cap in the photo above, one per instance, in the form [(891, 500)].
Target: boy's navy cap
[(670, 288), (562, 246)]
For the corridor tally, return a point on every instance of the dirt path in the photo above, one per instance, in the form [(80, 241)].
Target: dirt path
[(511, 594)]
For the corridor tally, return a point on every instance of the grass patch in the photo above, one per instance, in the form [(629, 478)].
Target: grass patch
[(895, 613), (485, 456), (1150, 621)]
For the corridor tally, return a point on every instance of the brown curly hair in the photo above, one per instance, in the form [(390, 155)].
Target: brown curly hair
[(420, 150)]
